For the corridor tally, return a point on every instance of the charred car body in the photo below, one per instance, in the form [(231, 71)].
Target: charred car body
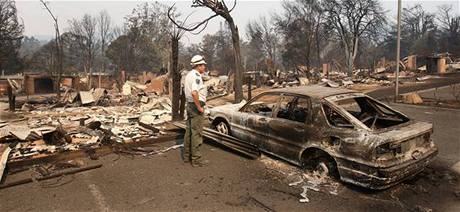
[(345, 133)]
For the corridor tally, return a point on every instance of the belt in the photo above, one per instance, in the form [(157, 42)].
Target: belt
[(201, 103)]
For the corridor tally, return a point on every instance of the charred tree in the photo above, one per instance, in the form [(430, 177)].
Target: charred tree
[(104, 23), (84, 33), (351, 20), (219, 7), (238, 81), (175, 33), (176, 78), (59, 50)]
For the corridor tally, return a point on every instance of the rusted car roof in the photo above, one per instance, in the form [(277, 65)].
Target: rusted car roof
[(314, 91)]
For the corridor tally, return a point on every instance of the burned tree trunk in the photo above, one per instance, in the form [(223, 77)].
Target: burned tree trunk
[(175, 32), (90, 81), (59, 50), (60, 57), (176, 78), (238, 81)]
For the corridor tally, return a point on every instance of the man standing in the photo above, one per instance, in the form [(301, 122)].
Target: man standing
[(195, 95)]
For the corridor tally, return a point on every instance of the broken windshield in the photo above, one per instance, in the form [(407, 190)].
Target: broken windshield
[(373, 114)]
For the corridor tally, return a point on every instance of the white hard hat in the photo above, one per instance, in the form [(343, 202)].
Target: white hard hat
[(197, 60)]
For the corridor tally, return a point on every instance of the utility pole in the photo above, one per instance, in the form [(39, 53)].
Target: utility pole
[(398, 51)]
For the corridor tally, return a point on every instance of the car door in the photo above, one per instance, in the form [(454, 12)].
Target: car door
[(251, 122), (289, 127)]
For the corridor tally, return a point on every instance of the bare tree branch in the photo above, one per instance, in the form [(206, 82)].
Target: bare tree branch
[(59, 48), (192, 28), (220, 9)]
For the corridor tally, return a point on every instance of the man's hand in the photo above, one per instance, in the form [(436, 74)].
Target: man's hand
[(197, 101)]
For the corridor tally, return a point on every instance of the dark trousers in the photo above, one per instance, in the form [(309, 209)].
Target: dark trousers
[(193, 138)]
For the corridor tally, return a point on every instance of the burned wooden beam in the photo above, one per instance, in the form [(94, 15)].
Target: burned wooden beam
[(149, 127), (53, 175)]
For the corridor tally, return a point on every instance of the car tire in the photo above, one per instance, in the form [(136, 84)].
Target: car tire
[(325, 166), (222, 127)]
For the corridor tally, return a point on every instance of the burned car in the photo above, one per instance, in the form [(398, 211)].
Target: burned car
[(341, 132)]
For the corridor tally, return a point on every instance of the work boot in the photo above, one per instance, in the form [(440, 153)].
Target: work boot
[(201, 163), (185, 159)]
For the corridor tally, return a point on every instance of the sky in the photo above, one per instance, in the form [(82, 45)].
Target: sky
[(38, 23)]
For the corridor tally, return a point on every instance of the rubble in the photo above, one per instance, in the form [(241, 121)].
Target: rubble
[(86, 97), (27, 107), (427, 77), (135, 85), (70, 97), (304, 195), (216, 86), (4, 153), (304, 80), (157, 84), (330, 83), (98, 94), (347, 83), (20, 132), (82, 120), (313, 181), (145, 99), (336, 78), (412, 98), (56, 137), (381, 75), (126, 89)]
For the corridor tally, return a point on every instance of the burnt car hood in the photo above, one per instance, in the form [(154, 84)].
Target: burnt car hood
[(228, 108)]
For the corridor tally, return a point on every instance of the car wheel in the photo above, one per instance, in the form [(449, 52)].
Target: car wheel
[(223, 128), (324, 166)]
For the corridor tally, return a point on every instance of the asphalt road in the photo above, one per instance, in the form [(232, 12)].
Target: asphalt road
[(233, 183)]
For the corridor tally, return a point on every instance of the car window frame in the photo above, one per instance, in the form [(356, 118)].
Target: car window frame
[(275, 108), (381, 104), (330, 100), (309, 115), (333, 107)]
